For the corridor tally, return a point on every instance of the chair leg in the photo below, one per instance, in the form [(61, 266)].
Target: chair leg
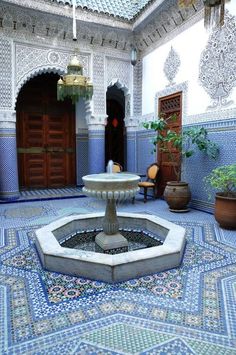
[(154, 192), (145, 194), (133, 199)]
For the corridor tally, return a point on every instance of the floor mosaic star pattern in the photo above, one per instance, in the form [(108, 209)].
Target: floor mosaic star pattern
[(188, 310)]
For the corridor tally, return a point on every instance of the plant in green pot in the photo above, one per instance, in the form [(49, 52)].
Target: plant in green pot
[(223, 180), (185, 143)]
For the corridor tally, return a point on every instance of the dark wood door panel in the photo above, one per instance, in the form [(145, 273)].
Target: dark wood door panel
[(45, 137), (169, 106), (36, 168)]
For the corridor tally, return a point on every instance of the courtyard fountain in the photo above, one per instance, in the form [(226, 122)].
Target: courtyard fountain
[(111, 247)]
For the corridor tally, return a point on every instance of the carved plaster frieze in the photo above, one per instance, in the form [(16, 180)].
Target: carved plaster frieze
[(164, 28), (171, 65), (24, 24), (217, 72), (212, 116), (64, 10)]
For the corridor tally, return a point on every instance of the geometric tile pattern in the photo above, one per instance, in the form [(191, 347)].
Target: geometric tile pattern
[(187, 310), (8, 164)]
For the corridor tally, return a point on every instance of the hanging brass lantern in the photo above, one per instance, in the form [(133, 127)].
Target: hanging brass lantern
[(73, 84)]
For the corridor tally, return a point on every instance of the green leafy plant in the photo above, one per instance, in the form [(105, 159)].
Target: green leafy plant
[(223, 180), (185, 142)]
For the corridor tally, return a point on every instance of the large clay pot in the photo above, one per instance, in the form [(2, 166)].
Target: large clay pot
[(177, 195), (225, 211)]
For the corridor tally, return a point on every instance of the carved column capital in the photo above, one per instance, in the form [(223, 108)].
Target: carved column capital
[(97, 122), (7, 119)]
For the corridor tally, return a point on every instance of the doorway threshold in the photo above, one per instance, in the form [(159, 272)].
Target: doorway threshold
[(48, 194)]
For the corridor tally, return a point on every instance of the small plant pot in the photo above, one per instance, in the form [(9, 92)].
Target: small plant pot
[(225, 211), (177, 195)]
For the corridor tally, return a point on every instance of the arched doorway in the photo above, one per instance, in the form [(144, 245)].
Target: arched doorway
[(45, 135), (114, 134)]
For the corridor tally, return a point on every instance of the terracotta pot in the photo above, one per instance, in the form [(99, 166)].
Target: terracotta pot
[(177, 195), (225, 211)]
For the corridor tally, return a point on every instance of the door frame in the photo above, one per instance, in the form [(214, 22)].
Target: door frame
[(162, 178)]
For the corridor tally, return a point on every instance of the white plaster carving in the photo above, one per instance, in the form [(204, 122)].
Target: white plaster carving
[(217, 65), (5, 73), (99, 96), (137, 89), (171, 65), (25, 23), (119, 69), (7, 116), (31, 61), (7, 125), (216, 115)]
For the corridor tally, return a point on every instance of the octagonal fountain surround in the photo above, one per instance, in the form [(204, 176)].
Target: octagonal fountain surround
[(113, 262)]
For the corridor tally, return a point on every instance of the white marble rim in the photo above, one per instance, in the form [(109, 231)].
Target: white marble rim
[(49, 245), (111, 177)]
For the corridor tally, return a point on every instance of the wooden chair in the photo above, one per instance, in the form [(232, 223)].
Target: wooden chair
[(151, 180), (117, 168)]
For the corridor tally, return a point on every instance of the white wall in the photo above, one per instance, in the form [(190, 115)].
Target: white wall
[(189, 45)]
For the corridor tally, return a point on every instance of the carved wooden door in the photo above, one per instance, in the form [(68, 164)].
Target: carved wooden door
[(168, 106), (45, 138)]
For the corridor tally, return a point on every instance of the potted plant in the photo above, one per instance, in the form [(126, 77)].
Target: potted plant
[(223, 180), (177, 193)]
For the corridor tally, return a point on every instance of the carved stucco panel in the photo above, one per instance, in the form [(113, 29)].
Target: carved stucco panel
[(30, 60), (118, 69), (99, 95), (5, 73), (217, 71), (171, 65)]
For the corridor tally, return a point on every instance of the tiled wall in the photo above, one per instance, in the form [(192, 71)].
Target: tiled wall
[(96, 152), (9, 188), (131, 151), (81, 157), (198, 166), (144, 149)]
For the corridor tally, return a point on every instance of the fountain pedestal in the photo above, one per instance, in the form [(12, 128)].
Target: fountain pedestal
[(111, 187), (110, 241)]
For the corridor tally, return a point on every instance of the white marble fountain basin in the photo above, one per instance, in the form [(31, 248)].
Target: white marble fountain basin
[(111, 186), (106, 267)]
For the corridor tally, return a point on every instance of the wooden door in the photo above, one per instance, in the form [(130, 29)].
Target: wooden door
[(168, 106), (45, 138)]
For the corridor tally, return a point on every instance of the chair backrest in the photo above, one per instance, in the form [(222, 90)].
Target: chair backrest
[(117, 168), (152, 171)]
